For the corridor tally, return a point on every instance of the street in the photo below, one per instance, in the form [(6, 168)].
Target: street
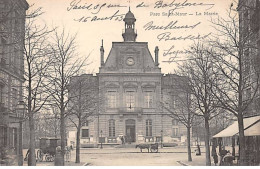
[(111, 156)]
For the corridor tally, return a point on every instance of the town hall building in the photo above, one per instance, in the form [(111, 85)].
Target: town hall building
[(131, 89)]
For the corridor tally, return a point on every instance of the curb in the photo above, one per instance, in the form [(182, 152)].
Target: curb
[(183, 164), (86, 164)]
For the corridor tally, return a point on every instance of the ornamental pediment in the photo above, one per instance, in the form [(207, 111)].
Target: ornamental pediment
[(112, 85), (130, 85), (148, 85)]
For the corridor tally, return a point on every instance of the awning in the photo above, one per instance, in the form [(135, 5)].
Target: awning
[(248, 125), (254, 130)]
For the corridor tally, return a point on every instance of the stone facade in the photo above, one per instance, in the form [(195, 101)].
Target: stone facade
[(131, 88), (249, 17), (12, 26)]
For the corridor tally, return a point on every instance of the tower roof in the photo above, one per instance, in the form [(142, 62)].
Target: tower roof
[(129, 16)]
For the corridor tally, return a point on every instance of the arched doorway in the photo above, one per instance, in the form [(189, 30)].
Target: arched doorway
[(130, 130)]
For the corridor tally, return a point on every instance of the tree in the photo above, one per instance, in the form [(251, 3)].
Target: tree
[(235, 56), (183, 111), (29, 42), (199, 68), (84, 100), (37, 60), (65, 65)]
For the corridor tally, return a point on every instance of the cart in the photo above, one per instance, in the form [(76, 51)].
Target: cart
[(47, 149)]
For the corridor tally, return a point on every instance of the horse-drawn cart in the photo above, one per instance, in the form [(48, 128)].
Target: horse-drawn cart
[(149, 147), (47, 149)]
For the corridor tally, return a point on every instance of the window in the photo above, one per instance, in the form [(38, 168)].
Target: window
[(14, 98), (130, 100), (13, 137), (112, 99), (84, 133), (3, 136), (112, 131), (149, 127), (175, 122), (248, 93), (175, 132), (1, 94), (148, 99), (173, 102), (85, 123), (257, 103), (246, 62)]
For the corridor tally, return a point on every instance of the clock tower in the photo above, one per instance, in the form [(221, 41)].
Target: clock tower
[(129, 34)]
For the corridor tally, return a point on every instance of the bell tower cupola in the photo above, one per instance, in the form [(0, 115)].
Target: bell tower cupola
[(129, 34)]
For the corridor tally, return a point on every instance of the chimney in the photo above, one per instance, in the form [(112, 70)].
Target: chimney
[(156, 51), (102, 54)]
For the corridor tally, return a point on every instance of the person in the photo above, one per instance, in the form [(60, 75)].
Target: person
[(215, 156), (27, 157), (197, 151), (222, 153), (123, 139), (214, 152), (67, 153)]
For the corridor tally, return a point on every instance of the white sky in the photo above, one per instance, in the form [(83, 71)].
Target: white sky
[(90, 34)]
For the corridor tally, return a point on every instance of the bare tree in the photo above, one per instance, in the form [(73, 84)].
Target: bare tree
[(65, 65), (235, 57), (37, 60), (83, 103), (182, 110), (199, 68)]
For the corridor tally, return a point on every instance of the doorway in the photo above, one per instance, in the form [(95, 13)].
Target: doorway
[(130, 130)]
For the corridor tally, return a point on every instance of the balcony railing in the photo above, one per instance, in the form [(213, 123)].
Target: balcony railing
[(132, 110)]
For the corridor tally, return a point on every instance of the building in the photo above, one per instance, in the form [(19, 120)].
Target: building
[(249, 20), (12, 26), (249, 34), (130, 89)]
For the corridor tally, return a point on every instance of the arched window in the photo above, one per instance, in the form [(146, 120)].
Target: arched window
[(112, 130), (149, 127)]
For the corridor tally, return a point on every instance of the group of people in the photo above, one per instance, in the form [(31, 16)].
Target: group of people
[(226, 157)]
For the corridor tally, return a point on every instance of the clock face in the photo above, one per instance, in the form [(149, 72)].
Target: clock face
[(130, 61)]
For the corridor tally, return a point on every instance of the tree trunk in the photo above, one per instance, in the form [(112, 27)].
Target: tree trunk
[(208, 160), (63, 135), (32, 157), (188, 144), (78, 146), (242, 153)]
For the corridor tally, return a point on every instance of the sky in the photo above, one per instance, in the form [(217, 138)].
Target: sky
[(188, 19)]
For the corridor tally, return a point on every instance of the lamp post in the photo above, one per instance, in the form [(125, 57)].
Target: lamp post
[(101, 147), (20, 110), (161, 138)]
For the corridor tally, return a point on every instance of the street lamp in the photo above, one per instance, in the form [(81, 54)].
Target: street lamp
[(20, 110), (101, 139), (161, 138)]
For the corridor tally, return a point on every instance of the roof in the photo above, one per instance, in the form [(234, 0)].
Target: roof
[(250, 125), (129, 15)]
